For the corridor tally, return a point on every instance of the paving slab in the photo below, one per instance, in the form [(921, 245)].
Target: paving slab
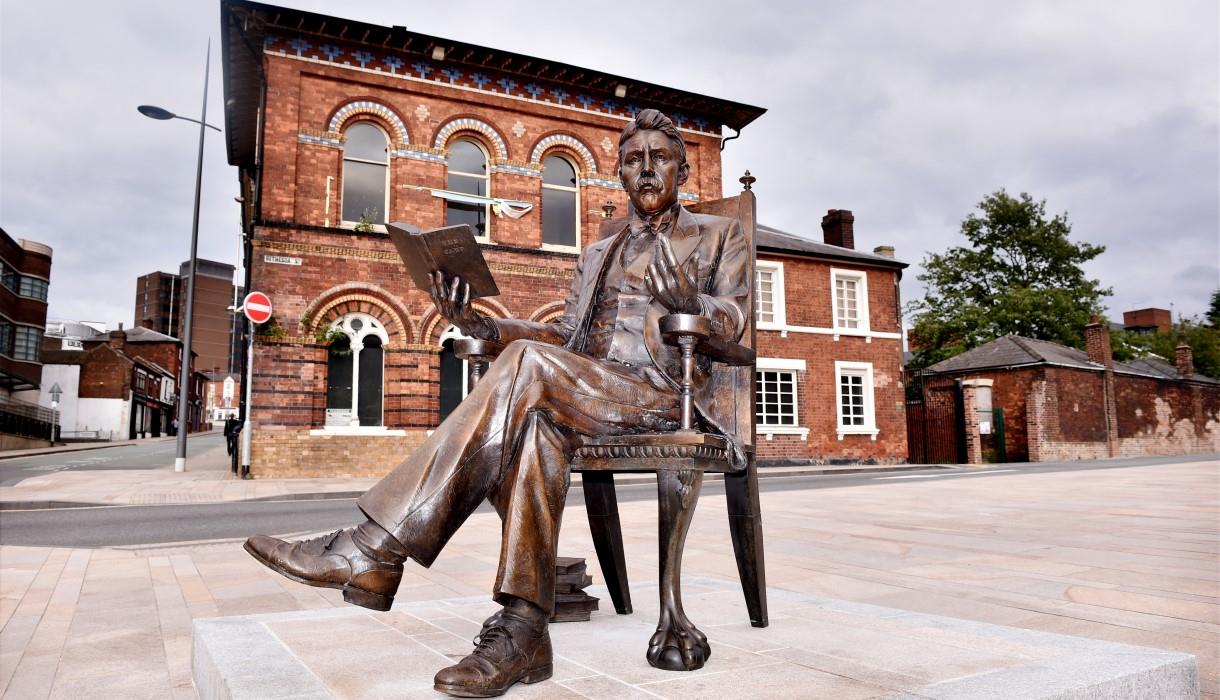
[(816, 647)]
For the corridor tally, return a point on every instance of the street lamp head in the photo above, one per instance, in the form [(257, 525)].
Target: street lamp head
[(155, 112)]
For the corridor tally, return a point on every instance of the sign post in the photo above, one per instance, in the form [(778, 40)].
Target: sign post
[(257, 308)]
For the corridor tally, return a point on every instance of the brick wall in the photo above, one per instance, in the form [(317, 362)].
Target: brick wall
[(808, 303)]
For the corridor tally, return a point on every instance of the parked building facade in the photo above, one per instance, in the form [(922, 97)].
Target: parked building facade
[(25, 280), (339, 126)]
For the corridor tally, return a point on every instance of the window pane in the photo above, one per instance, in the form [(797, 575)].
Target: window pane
[(558, 171), (364, 191), (775, 398), (475, 215), (558, 217), (366, 142), (25, 343), (369, 409), (465, 157), (339, 375)]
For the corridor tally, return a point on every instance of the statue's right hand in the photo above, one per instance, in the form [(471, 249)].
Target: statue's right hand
[(452, 299)]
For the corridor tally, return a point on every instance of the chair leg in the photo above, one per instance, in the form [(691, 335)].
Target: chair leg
[(601, 504), (745, 526), (677, 644)]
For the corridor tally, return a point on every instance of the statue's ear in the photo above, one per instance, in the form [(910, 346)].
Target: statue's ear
[(683, 173)]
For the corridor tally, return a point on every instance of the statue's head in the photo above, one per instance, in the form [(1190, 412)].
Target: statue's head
[(652, 162)]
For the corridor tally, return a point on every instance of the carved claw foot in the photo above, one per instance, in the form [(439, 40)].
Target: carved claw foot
[(677, 644)]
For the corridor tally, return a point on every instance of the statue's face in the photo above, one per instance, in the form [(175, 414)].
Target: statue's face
[(651, 170)]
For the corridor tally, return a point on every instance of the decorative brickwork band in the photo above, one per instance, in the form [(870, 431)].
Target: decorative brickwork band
[(469, 124), (351, 109), (569, 142), (363, 298)]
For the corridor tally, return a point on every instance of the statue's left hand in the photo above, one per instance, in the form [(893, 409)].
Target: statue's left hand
[(671, 283)]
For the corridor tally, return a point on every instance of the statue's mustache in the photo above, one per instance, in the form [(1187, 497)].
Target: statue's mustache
[(649, 182)]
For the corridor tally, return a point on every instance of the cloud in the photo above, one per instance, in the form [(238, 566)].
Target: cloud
[(907, 113)]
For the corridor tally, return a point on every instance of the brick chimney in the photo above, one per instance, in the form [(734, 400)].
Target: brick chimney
[(147, 323), (838, 228), (118, 339), (1097, 343), (885, 251), (1185, 359)]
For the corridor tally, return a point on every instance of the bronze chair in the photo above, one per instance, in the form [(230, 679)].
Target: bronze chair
[(679, 459)]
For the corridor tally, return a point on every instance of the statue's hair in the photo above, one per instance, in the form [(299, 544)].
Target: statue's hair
[(652, 120)]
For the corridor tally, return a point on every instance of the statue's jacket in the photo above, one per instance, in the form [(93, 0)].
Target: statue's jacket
[(717, 246)]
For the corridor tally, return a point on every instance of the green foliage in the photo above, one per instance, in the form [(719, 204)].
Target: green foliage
[(1213, 310), (1018, 274), (368, 219), (1204, 342), (271, 329)]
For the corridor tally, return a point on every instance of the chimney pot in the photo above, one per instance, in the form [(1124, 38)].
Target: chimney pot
[(838, 228), (886, 251)]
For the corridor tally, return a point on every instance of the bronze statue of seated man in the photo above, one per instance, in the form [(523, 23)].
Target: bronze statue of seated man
[(596, 371)]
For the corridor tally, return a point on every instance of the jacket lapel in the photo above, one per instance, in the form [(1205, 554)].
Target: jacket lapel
[(596, 260), (685, 235)]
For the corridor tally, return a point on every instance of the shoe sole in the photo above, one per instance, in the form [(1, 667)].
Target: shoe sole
[(535, 676), (351, 594)]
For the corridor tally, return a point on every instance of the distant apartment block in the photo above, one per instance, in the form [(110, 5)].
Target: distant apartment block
[(160, 305)]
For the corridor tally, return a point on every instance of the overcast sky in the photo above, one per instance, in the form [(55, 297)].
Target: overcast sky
[(908, 113)]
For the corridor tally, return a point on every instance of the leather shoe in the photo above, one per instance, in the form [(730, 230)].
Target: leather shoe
[(333, 561), (510, 648)]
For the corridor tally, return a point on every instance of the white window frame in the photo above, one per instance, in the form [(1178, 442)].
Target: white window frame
[(452, 332), (575, 190), (861, 279), (796, 367), (343, 223), (860, 369), (779, 313), (487, 213), (370, 326)]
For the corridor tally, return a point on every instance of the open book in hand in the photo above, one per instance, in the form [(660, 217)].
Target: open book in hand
[(451, 249)]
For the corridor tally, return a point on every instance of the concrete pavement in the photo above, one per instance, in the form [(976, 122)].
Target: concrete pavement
[(1127, 555)]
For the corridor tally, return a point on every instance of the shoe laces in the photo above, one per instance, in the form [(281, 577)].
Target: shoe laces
[(327, 541), (494, 642)]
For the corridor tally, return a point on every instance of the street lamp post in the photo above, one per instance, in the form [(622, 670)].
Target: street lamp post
[(184, 377)]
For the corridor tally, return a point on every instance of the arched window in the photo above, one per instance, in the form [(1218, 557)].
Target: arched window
[(366, 174), (560, 203), (455, 374), (354, 371), (468, 175)]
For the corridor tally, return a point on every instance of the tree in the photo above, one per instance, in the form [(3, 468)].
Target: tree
[(1204, 342), (1019, 274), (1213, 311)]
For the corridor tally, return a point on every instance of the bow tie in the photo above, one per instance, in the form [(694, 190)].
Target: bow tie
[(660, 221)]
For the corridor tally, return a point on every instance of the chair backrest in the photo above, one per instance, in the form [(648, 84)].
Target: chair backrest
[(743, 208)]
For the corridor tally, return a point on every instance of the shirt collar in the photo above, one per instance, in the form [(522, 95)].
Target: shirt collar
[(661, 221)]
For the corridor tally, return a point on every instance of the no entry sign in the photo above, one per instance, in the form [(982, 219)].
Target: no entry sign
[(257, 307)]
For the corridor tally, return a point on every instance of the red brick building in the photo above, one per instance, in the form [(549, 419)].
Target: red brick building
[(1061, 403), (339, 126)]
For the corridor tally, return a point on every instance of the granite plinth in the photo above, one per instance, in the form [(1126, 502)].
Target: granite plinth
[(815, 648)]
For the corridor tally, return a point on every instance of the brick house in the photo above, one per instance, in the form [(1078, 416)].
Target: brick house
[(1061, 403), (339, 126), (116, 385)]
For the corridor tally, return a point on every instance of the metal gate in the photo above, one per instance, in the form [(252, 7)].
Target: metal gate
[(932, 434)]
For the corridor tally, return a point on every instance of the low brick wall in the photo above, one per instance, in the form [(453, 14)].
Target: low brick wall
[(277, 453)]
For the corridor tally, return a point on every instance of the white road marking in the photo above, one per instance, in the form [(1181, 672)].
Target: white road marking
[(937, 476)]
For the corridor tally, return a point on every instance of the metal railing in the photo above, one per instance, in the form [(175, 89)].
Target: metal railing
[(27, 419)]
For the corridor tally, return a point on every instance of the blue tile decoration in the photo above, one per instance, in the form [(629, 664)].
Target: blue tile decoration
[(369, 107), (570, 142), (601, 182), (299, 45), (468, 124), (320, 140), (515, 169), (489, 81), (422, 67)]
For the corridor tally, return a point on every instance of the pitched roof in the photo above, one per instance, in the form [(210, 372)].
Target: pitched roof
[(769, 238), (1016, 351), (147, 335), (1157, 366)]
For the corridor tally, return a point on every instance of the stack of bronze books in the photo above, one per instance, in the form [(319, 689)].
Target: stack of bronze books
[(572, 604)]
